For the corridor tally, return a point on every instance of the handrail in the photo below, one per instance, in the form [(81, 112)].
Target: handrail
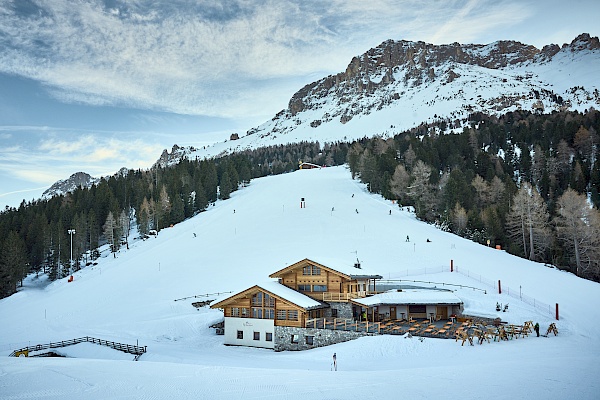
[(343, 296), (388, 281), (202, 295), (126, 348)]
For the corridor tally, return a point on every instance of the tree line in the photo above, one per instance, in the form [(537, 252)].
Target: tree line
[(35, 236), (522, 181), (526, 182)]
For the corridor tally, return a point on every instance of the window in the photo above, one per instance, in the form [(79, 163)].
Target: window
[(240, 334), (292, 315), (281, 314), (295, 339), (334, 312), (311, 270), (309, 340), (257, 312), (304, 288), (235, 311), (269, 313), (257, 299), (269, 337), (244, 312), (319, 288), (269, 301), (256, 335), (417, 308)]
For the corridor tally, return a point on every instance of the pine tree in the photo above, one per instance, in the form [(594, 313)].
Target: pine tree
[(13, 264), (354, 158), (225, 186), (369, 172)]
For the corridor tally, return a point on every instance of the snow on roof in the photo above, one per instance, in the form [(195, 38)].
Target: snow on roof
[(410, 297), (283, 292), (290, 295)]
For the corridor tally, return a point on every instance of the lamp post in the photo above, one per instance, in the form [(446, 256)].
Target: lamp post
[(71, 232)]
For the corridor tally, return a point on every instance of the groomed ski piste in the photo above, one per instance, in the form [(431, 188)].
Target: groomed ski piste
[(237, 243)]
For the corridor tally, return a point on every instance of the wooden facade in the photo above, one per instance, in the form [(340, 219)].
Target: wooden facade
[(259, 303), (323, 283)]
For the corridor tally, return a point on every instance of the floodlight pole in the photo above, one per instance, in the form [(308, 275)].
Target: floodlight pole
[(71, 232)]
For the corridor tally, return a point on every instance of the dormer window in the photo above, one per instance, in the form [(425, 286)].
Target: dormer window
[(311, 270)]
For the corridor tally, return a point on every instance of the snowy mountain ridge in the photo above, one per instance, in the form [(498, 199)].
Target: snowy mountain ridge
[(401, 84)]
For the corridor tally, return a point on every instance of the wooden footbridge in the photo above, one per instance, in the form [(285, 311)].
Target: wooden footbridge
[(137, 351)]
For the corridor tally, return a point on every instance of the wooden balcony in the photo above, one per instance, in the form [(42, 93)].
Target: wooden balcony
[(344, 297)]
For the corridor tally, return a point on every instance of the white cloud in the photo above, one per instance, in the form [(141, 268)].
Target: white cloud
[(233, 58), (55, 154)]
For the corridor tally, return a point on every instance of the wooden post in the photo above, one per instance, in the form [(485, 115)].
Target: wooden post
[(557, 311), (451, 265), (499, 287)]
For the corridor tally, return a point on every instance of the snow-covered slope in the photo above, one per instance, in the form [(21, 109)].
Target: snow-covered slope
[(261, 229), (399, 85)]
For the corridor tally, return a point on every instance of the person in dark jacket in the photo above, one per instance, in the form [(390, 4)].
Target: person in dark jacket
[(536, 328)]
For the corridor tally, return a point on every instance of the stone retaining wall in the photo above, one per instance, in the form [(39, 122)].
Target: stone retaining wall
[(344, 310), (320, 337)]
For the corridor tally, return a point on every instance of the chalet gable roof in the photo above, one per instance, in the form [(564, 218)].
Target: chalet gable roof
[(277, 290), (348, 272)]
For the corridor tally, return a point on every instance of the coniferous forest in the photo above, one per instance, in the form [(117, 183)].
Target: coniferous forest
[(525, 182)]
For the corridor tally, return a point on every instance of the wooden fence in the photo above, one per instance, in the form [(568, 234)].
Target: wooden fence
[(126, 348)]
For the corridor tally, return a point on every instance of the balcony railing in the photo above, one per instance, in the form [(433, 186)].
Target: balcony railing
[(343, 324), (344, 297)]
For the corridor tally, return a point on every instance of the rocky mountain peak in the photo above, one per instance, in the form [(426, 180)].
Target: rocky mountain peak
[(413, 63), (177, 153), (584, 42), (379, 77), (75, 181)]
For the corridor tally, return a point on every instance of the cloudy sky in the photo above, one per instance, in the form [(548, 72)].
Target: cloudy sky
[(96, 85)]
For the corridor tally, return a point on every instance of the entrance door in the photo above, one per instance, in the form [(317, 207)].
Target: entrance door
[(442, 311), (392, 313)]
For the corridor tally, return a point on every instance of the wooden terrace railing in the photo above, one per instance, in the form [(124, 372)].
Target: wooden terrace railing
[(343, 324), (344, 297), (126, 348)]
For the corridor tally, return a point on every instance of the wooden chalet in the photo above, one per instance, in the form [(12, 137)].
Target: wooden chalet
[(252, 315), (307, 165), (326, 283)]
